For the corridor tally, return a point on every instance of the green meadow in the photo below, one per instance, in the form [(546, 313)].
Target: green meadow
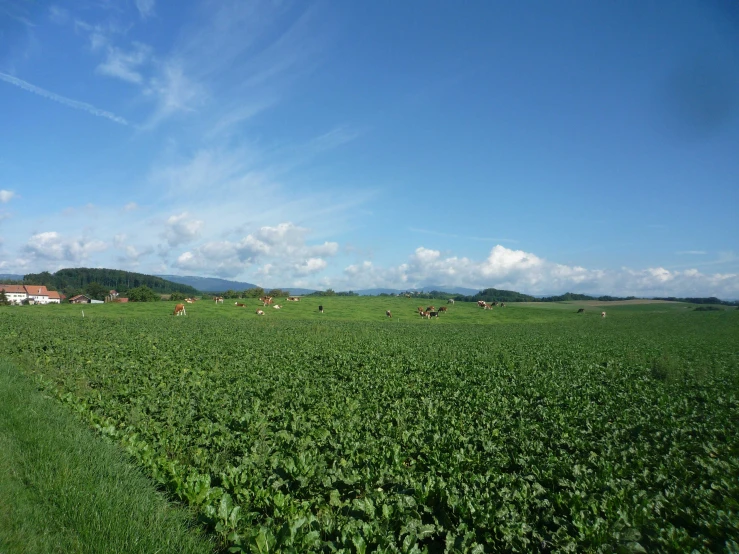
[(528, 428)]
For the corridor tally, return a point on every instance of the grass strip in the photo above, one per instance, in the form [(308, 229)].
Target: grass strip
[(63, 489)]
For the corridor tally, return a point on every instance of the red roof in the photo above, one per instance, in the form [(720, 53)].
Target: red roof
[(18, 289), (37, 290), (54, 295)]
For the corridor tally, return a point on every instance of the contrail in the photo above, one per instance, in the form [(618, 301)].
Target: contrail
[(89, 108)]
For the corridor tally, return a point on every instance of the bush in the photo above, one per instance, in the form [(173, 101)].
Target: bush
[(142, 294), (708, 309)]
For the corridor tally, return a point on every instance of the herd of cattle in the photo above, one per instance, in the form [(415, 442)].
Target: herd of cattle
[(428, 313)]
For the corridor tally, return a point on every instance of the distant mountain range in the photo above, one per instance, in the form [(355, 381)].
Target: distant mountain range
[(11, 277), (425, 288), (214, 284)]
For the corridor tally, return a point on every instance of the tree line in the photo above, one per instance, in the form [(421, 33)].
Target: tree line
[(96, 283)]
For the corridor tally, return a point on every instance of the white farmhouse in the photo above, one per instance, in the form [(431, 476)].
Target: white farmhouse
[(15, 293), (34, 294)]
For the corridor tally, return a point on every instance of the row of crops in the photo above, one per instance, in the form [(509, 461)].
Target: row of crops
[(610, 436)]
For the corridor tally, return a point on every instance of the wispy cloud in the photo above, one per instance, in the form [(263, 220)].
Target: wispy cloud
[(6, 196), (455, 236), (691, 252), (125, 65), (145, 7), (83, 106)]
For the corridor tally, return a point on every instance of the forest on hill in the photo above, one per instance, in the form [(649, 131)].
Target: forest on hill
[(97, 282)]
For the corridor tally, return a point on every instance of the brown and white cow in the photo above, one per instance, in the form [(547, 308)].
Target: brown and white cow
[(179, 309), (260, 312), (266, 300), (423, 314), (442, 309), (602, 314), (430, 309), (218, 299), (240, 305), (420, 309), (481, 303), (277, 306), (388, 314), (293, 299)]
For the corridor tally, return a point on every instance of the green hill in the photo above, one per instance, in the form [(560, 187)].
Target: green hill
[(79, 280)]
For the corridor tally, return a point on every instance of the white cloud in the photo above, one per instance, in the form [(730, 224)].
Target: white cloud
[(145, 7), (181, 229), (6, 196), (125, 65), (525, 272), (52, 246), (131, 206), (282, 250), (310, 266), (58, 15), (174, 91)]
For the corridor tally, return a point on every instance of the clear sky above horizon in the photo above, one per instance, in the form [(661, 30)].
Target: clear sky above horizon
[(536, 146)]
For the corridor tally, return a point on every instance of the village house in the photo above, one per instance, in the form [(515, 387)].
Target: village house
[(80, 299), (33, 294), (15, 293)]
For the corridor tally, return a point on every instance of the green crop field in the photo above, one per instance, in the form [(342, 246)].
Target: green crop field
[(524, 429)]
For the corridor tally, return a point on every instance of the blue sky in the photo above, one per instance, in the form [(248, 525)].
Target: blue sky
[(539, 146)]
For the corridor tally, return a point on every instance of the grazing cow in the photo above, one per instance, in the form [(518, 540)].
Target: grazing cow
[(430, 309), (277, 306), (259, 312), (432, 314), (481, 303), (266, 300), (188, 300), (320, 309), (602, 314), (443, 309), (420, 309), (502, 305), (388, 314), (218, 299), (581, 310), (179, 309), (240, 305), (488, 306), (450, 301), (423, 314), (293, 299)]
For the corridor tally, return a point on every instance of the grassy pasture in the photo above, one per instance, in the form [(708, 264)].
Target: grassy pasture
[(63, 490), (527, 428), (372, 309)]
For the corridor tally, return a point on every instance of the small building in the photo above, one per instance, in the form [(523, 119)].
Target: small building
[(80, 299), (15, 293), (55, 297), (93, 301), (37, 294)]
